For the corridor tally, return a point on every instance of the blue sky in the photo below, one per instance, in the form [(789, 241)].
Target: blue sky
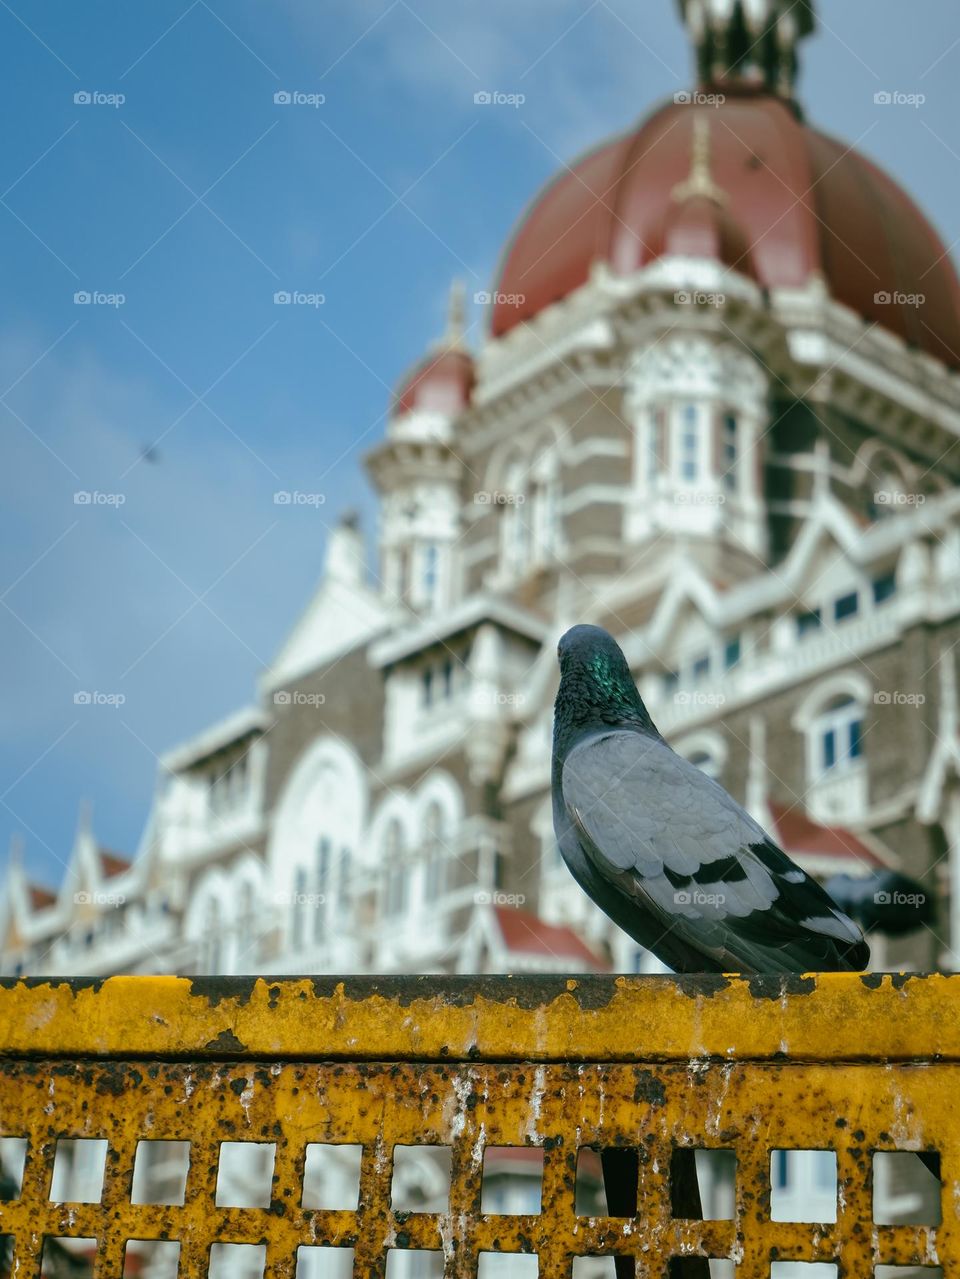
[(197, 198)]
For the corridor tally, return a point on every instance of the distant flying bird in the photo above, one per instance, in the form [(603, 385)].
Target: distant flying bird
[(664, 850), (149, 453)]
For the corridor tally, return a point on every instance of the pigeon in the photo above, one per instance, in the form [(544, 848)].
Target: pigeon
[(673, 859), (664, 850)]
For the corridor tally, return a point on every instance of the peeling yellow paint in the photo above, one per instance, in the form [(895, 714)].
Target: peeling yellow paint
[(831, 1062)]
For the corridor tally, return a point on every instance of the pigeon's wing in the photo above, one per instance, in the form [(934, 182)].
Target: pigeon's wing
[(669, 837)]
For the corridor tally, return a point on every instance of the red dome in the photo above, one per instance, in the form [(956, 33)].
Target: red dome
[(441, 383), (806, 204)]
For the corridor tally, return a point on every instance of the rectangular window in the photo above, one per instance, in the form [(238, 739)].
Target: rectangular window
[(430, 561), (690, 444), (810, 621), (426, 687), (656, 437), (729, 452), (856, 739), (731, 652), (670, 681), (829, 748), (846, 606), (884, 587), (701, 666)]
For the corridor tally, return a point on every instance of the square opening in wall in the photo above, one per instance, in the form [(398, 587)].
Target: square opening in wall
[(907, 1188), (508, 1265), (331, 1177), (13, 1156), (78, 1169), (414, 1263), (803, 1185), (512, 1180), (421, 1178), (237, 1260), (703, 1184), (153, 1256), (245, 1174), (324, 1263), (160, 1170)]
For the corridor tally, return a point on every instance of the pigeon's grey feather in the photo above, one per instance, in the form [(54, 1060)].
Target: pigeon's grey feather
[(664, 850)]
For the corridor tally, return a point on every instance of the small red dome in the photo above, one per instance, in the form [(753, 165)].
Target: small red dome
[(703, 228), (805, 204), (441, 383)]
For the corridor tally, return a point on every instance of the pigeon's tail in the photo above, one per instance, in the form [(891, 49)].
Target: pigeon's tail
[(621, 1174)]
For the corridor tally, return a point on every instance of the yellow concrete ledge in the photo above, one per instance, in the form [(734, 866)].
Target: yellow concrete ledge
[(823, 1018)]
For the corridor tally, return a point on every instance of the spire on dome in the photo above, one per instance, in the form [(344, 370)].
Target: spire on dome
[(754, 41), (453, 339), (700, 181)]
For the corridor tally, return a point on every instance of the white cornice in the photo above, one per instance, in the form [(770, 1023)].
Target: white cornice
[(479, 608), (251, 719)]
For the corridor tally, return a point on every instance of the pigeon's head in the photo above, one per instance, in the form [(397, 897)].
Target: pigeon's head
[(595, 679)]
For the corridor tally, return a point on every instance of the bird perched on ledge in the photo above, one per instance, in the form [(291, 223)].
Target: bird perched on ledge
[(678, 864), (664, 850)]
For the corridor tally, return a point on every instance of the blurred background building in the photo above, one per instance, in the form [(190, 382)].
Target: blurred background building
[(716, 412)]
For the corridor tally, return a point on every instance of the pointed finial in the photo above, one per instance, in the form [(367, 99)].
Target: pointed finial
[(456, 316), (85, 817), (700, 181)]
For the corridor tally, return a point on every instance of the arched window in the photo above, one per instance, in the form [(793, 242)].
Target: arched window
[(435, 838), (690, 444), (544, 503), (515, 519), (837, 736), (395, 872)]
